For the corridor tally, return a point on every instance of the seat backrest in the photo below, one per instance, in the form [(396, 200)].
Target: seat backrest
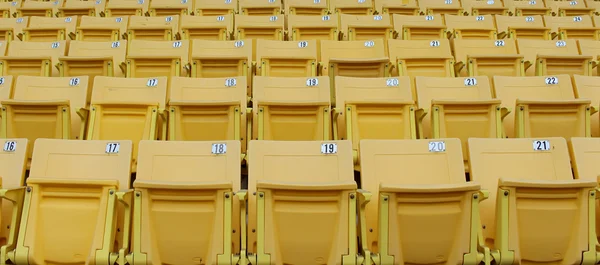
[(357, 90), (464, 48), (150, 49), (39, 49), (6, 88), (207, 27), (588, 87), (390, 6), (555, 23), (259, 27), (13, 165), (585, 152), (301, 7), (207, 90), (214, 8), (524, 5), (504, 23), (130, 90), (357, 49), (119, 23), (532, 159), (217, 50), (286, 52), (73, 89), (264, 8), (302, 27), (16, 24), (289, 90), (439, 4), (351, 7), (189, 161), (508, 89), (531, 48), (401, 21), (114, 49), (90, 159), (557, 6), (481, 22), (140, 23), (407, 49), (589, 48), (362, 27), (69, 24), (167, 7)]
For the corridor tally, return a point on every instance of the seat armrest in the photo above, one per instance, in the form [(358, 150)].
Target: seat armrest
[(126, 198), (17, 197), (302, 186), (547, 184), (242, 196), (434, 188)]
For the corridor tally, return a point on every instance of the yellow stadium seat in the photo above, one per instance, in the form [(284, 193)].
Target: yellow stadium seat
[(569, 8), (480, 27), (84, 192), (32, 58), (12, 28), (286, 58), (9, 9), (146, 58), (485, 7), (318, 28), (222, 59), (208, 109), (353, 58), (291, 108), (352, 7), (590, 48), (542, 215), (46, 107), (82, 8), (101, 28), (3, 47), (430, 27), (442, 7), (306, 199), (576, 27), (153, 28), (366, 27), (260, 8), (206, 27), (542, 106), (554, 57), (13, 163), (303, 7), (421, 58), (170, 8), (523, 27), (259, 27), (488, 57), (183, 176), (373, 108), (38, 8), (428, 214), (93, 59), (215, 8), (458, 108), (527, 7), (6, 92), (408, 7), (44, 29), (584, 157), (123, 8), (127, 108), (588, 87)]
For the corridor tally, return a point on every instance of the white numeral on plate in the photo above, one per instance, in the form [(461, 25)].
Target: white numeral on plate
[(434, 43), (448, 2), (479, 18), (429, 18), (219, 149), (229, 82), (369, 43), (115, 44), (573, 3), (392, 82), (561, 43), (112, 148), (169, 19), (10, 146), (499, 43), (221, 18), (577, 19), (74, 81), (529, 19), (273, 18), (119, 19), (317, 1), (312, 82), (470, 81), (19, 20), (1, 80), (302, 44), (329, 148), (377, 18), (326, 18), (176, 44), (227, 1), (437, 146), (152, 82), (68, 20), (551, 80), (55, 45), (238, 44), (532, 3), (541, 145)]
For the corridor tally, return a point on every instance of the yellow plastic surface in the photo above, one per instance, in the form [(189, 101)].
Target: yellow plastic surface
[(38, 8), (82, 8), (481, 7), (554, 57), (430, 27), (569, 8), (488, 57), (408, 7), (214, 8), (523, 27), (126, 8), (306, 197), (12, 169), (46, 29), (33, 58), (11, 28), (528, 8), (546, 109), (351, 7), (574, 27), (152, 28), (259, 8), (442, 7), (207, 27), (147, 58), (286, 58), (102, 28), (302, 7), (587, 87), (268, 27), (287, 108), (584, 160), (479, 27), (530, 186), (170, 8), (366, 27), (183, 187), (302, 27)]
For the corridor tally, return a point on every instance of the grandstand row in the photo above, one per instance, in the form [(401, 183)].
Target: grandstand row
[(299, 132)]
